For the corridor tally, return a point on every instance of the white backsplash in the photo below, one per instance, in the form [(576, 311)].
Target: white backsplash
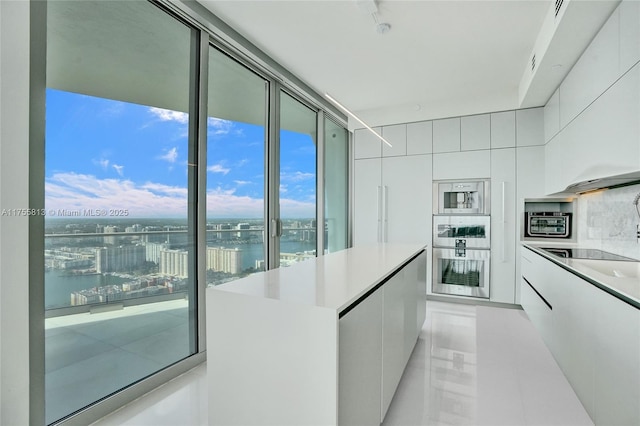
[(607, 220)]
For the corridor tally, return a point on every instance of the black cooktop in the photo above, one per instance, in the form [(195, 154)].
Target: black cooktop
[(578, 253)]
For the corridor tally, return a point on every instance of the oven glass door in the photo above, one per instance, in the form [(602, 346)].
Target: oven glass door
[(550, 226), (475, 230), (462, 272)]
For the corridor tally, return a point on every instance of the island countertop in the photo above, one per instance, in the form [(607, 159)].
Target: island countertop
[(334, 281)]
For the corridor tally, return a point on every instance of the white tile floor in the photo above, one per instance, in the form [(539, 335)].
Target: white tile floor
[(472, 365)]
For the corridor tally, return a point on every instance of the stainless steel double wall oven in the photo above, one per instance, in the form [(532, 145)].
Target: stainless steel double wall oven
[(461, 238)]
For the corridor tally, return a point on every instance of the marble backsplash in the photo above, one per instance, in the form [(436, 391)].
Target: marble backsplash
[(607, 220)]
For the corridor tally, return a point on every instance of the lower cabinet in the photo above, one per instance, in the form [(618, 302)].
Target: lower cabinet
[(360, 363), (593, 336), (376, 339)]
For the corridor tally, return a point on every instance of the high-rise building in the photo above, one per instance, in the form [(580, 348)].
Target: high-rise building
[(174, 263), (224, 259), (152, 251), (243, 234), (119, 259)]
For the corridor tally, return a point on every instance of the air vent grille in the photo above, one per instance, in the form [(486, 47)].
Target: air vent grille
[(558, 6), (533, 62)]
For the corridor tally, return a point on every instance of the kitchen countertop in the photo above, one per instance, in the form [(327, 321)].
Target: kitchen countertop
[(333, 281), (626, 289)]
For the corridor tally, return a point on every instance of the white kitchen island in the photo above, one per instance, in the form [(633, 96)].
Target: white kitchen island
[(322, 342)]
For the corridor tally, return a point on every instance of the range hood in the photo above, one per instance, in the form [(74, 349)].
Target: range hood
[(605, 182)]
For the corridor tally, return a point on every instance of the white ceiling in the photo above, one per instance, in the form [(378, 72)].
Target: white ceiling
[(440, 58)]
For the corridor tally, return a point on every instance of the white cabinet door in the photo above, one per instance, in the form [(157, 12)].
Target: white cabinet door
[(503, 225), (629, 34), (530, 184), (538, 303), (475, 132), (407, 199), (530, 127), (596, 70), (603, 140), (360, 363), (366, 144), (367, 188), (420, 138), (446, 135), (462, 165), (617, 361), (552, 116), (397, 136), (554, 164), (393, 336), (576, 328), (503, 129)]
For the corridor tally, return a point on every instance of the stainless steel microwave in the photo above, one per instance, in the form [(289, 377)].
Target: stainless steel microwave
[(547, 225)]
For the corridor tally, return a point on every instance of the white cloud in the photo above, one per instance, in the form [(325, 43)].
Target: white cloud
[(242, 182), (283, 188), (118, 169), (297, 176), (74, 191), (218, 168), (170, 156), (223, 203), (103, 162), (169, 115), (219, 126), (295, 209)]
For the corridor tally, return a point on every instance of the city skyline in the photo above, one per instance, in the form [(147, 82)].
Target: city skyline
[(109, 155)]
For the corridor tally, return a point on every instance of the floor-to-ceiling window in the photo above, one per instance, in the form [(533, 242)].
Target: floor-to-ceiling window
[(119, 197), (336, 186), (236, 147), (297, 191)]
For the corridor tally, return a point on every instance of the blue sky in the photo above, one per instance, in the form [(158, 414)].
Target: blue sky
[(115, 155)]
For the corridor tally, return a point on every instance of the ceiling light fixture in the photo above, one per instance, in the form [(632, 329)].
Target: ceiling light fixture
[(343, 108), (371, 8)]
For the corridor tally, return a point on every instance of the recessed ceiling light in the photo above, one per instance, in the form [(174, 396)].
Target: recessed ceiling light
[(383, 28)]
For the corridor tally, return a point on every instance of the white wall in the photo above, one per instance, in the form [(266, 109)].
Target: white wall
[(14, 181)]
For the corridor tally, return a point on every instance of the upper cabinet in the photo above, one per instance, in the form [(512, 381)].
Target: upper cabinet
[(396, 135), (629, 34), (596, 70), (529, 127), (503, 129), (552, 116), (420, 138), (475, 132), (366, 144), (446, 135)]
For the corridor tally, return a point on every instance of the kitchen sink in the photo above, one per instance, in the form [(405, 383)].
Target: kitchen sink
[(611, 268)]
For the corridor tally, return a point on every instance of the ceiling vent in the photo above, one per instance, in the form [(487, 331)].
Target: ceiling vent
[(558, 6), (533, 62)]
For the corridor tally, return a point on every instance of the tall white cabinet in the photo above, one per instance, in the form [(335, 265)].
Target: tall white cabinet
[(392, 193)]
